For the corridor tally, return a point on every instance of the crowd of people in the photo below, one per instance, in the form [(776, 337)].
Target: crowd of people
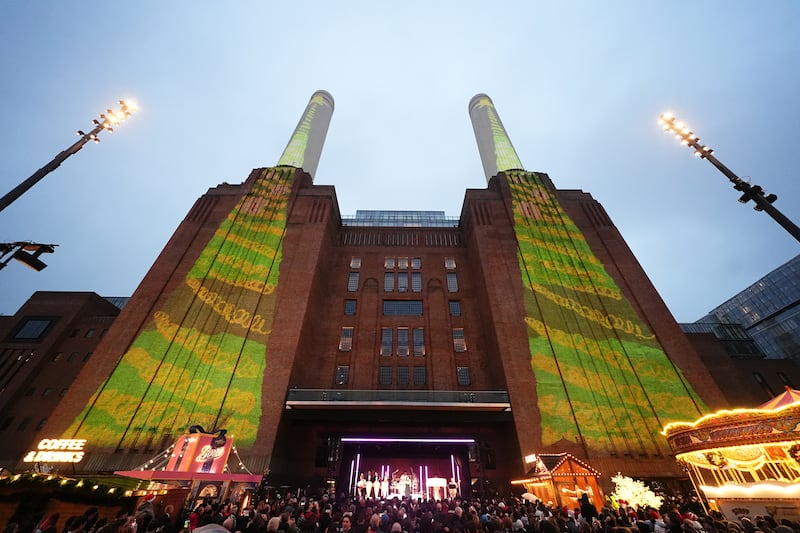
[(143, 519), (328, 514)]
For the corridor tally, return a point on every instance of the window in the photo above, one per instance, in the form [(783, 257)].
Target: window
[(342, 375), (402, 263), (449, 263), (350, 307), (416, 282), (86, 357), (418, 336), (355, 262), (402, 341), (57, 357), (785, 379), (764, 385), (32, 329), (47, 392), (452, 282), (416, 263), (419, 375), (103, 333), (455, 308), (459, 342), (402, 281), (385, 375), (462, 375), (346, 339), (386, 341), (75, 333), (402, 375), (352, 282), (72, 356), (388, 262), (89, 333), (388, 281), (24, 424), (402, 308), (63, 392), (41, 423)]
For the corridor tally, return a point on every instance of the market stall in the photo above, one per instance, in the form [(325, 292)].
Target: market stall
[(562, 479)]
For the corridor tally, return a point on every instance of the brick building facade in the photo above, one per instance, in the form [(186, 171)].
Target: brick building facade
[(328, 347)]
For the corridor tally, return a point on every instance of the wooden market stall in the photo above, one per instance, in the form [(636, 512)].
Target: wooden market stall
[(562, 479)]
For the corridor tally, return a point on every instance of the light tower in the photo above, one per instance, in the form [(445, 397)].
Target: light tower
[(107, 121), (750, 192)]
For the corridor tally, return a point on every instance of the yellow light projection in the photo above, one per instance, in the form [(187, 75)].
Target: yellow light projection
[(202, 356), (602, 378)]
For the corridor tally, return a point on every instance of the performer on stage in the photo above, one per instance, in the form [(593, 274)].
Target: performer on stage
[(452, 488), (376, 485), (369, 484), (362, 485), (385, 487), (405, 484)]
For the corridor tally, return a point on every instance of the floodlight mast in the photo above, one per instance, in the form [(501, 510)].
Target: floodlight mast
[(107, 121), (750, 192)]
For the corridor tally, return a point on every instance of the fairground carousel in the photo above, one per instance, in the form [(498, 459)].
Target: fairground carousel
[(745, 462)]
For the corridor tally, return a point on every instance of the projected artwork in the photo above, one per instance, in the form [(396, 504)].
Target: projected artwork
[(601, 375), (201, 357)]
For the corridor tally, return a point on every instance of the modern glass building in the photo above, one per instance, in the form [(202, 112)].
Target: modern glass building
[(769, 310)]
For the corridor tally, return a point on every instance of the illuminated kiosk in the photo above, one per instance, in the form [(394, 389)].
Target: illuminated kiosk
[(199, 461), (745, 461), (561, 478)]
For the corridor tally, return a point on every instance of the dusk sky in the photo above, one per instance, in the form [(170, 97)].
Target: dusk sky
[(578, 85)]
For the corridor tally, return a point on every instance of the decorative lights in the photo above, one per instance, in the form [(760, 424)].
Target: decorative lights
[(108, 120), (749, 192)]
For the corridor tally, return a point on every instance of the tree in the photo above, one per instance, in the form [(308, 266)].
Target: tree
[(634, 492)]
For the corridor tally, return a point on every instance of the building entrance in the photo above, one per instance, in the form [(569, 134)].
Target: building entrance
[(389, 467)]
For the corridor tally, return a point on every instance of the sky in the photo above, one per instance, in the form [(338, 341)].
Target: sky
[(579, 86)]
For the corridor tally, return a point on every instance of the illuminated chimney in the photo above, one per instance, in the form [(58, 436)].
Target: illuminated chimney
[(497, 152), (305, 146)]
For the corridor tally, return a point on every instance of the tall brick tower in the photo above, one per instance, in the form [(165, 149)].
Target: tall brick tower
[(393, 341)]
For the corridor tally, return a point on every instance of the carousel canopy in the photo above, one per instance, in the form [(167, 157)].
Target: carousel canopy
[(774, 422), (787, 397)]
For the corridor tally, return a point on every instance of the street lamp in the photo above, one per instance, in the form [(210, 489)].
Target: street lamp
[(107, 121), (26, 253), (750, 192)]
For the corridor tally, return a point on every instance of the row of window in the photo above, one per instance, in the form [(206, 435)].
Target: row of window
[(36, 328), (399, 281), (401, 307), (73, 356), (23, 424), (403, 341), (404, 263), (403, 375), (30, 391)]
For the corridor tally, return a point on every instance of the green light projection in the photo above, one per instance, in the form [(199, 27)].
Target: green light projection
[(505, 156), (201, 357), (601, 375), (295, 152)]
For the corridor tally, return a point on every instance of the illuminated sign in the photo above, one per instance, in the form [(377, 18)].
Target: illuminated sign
[(200, 452), (57, 451)]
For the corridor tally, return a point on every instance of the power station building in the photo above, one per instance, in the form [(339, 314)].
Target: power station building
[(393, 341)]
